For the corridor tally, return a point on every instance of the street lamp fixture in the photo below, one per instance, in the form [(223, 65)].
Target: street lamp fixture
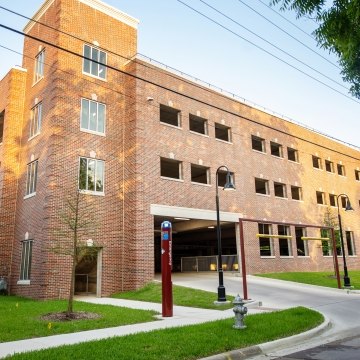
[(348, 207), (229, 186)]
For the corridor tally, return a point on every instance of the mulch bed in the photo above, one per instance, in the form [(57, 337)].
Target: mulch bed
[(64, 316)]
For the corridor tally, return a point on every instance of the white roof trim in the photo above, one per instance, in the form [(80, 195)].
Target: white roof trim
[(44, 7), (112, 11), (95, 4), (192, 213)]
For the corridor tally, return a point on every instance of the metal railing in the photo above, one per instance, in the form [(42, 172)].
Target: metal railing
[(209, 263)]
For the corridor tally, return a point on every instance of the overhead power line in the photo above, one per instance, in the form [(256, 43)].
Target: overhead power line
[(285, 32), (268, 52), (178, 92), (273, 45)]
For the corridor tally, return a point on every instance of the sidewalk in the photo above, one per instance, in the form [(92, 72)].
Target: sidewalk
[(182, 316)]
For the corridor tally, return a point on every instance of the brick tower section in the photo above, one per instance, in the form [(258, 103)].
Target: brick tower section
[(12, 91)]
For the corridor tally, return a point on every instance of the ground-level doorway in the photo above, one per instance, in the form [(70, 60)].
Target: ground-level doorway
[(87, 273)]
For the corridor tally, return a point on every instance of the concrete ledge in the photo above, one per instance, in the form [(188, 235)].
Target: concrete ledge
[(279, 344)]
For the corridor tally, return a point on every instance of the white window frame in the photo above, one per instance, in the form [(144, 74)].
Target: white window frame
[(225, 128), (299, 188), (31, 179), (25, 263), (296, 155), (39, 66), (322, 197), (95, 171), (101, 66), (35, 120), (96, 114), (283, 186)]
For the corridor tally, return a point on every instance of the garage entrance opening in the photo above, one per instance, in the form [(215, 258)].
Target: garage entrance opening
[(194, 246)]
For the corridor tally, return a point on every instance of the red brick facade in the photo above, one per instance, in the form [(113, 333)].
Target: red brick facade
[(133, 142)]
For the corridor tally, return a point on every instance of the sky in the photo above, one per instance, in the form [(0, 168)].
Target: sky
[(173, 34)]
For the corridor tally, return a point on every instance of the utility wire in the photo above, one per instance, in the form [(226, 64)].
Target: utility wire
[(285, 32), (268, 52), (286, 19), (275, 46), (178, 93)]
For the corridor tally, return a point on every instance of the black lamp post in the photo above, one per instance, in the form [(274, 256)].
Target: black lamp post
[(228, 186), (347, 208)]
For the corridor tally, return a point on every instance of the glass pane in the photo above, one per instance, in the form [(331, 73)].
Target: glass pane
[(82, 174), (34, 180), (22, 261), (93, 116), (87, 54), (91, 175), (100, 176), (39, 118), (29, 260), (84, 114), (101, 118), (102, 68), (95, 66)]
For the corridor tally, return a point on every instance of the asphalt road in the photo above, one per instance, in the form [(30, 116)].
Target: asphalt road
[(341, 307)]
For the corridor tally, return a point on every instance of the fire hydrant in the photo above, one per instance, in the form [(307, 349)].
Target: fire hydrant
[(240, 311)]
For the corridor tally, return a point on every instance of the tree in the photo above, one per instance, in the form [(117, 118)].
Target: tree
[(338, 32), (330, 219), (74, 225)]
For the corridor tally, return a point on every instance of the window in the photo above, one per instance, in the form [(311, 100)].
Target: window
[(2, 117), (280, 190), (198, 124), (94, 62), (341, 169), (329, 166), (296, 193), (92, 116), (332, 200), (349, 235), (91, 175), (200, 174), (276, 149), (39, 66), (316, 162), (284, 244), (31, 178), (35, 120), (169, 115), (343, 202), (301, 245), (326, 245), (357, 172), (320, 198), (261, 186), (222, 178), (265, 244), (170, 168), (293, 154), (257, 143), (25, 265), (222, 132)]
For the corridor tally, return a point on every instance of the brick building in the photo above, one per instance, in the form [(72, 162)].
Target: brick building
[(143, 145)]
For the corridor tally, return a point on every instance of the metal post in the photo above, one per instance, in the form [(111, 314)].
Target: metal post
[(166, 267), (346, 276), (243, 265), (336, 263), (221, 287)]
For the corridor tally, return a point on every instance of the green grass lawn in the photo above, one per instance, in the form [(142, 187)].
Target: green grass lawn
[(20, 318), (190, 342), (325, 278), (182, 296)]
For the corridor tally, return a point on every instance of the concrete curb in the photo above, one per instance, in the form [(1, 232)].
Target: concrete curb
[(265, 348)]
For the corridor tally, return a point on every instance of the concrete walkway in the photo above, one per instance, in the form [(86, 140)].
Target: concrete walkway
[(341, 309), (182, 316)]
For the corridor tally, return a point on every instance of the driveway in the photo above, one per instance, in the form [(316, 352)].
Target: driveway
[(341, 307)]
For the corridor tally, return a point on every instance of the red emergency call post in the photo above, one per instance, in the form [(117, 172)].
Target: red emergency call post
[(166, 267)]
